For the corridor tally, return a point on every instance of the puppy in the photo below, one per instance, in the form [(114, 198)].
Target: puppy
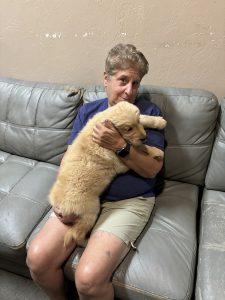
[(88, 168)]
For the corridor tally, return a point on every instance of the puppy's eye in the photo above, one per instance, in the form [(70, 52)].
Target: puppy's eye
[(129, 128)]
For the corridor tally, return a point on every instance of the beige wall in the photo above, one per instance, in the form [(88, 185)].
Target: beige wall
[(67, 40)]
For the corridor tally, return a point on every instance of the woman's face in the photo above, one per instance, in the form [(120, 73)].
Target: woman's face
[(122, 86)]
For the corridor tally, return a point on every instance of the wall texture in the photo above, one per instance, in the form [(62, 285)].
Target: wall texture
[(66, 41)]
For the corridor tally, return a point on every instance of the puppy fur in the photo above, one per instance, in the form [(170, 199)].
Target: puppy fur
[(88, 168)]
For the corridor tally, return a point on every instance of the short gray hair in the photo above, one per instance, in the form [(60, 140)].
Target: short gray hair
[(124, 56)]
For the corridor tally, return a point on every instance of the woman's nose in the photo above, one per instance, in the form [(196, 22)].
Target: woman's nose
[(128, 89)]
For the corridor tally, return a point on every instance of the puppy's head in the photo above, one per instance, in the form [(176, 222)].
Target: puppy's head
[(126, 118)]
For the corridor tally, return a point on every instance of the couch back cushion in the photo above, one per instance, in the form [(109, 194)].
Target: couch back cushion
[(191, 115), (36, 118), (216, 171)]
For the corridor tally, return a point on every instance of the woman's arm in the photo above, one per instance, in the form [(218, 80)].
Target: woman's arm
[(108, 137)]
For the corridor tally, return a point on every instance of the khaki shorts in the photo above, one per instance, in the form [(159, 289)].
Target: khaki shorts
[(125, 218)]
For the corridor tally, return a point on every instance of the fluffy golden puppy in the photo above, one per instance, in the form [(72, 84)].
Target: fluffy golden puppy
[(88, 168)]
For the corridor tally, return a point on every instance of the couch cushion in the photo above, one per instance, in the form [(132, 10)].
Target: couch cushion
[(210, 272), (215, 178), (36, 118), (211, 260), (191, 116), (16, 287), (24, 188)]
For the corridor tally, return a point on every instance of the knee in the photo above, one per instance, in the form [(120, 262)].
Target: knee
[(87, 283), (36, 259)]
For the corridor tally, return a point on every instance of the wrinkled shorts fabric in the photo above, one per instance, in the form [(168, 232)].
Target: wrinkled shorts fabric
[(125, 218)]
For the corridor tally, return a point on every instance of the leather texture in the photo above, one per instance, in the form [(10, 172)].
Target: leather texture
[(211, 258), (23, 197), (19, 288), (36, 118), (35, 122), (215, 179), (163, 266)]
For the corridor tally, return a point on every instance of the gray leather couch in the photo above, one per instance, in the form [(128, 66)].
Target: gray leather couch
[(35, 122), (211, 257)]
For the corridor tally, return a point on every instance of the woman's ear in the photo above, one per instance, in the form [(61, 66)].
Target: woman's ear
[(105, 79)]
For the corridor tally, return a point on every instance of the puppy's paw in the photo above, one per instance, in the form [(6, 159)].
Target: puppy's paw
[(160, 123), (152, 121)]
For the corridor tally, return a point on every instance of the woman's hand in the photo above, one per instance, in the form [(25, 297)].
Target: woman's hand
[(107, 136), (68, 220)]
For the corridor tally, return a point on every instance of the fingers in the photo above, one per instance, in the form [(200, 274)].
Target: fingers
[(102, 131), (107, 136), (68, 220), (108, 124), (105, 127)]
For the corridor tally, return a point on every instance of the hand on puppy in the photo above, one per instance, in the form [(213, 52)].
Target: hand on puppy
[(107, 136), (68, 220)]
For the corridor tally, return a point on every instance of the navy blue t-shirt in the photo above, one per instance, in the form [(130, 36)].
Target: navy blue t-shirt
[(129, 184)]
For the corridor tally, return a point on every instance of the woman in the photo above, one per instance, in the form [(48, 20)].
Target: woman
[(129, 197)]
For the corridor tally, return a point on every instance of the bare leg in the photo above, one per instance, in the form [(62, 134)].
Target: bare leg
[(102, 255), (46, 256)]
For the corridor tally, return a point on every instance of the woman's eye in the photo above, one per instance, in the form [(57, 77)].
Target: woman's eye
[(123, 80)]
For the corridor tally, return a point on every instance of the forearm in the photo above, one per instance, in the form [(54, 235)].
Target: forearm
[(142, 163)]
